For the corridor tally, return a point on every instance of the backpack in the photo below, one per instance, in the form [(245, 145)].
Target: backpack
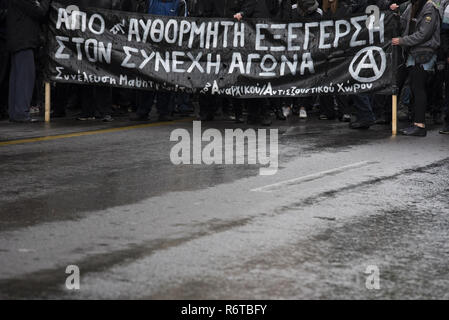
[(164, 8)]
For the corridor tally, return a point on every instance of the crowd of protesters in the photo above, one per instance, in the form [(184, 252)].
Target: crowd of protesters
[(424, 48)]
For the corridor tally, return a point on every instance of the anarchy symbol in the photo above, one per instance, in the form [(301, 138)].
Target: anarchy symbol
[(368, 62)]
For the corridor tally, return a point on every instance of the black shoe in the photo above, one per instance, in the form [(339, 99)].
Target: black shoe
[(83, 118), (414, 131), (361, 125), (30, 120), (165, 118), (326, 117), (445, 130), (280, 115), (137, 117)]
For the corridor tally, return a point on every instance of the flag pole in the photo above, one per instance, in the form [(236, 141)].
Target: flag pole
[(47, 101), (394, 115), (394, 104)]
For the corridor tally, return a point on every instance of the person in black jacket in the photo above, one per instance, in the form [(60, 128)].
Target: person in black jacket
[(24, 21), (421, 38), (298, 10), (259, 108), (210, 103), (96, 101), (333, 9), (145, 99), (4, 60)]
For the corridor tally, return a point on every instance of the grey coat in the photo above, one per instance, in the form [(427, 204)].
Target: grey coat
[(426, 37)]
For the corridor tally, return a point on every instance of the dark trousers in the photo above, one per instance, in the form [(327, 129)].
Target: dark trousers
[(145, 100), (435, 90), (4, 72), (362, 104), (418, 81), (445, 109), (446, 117), (61, 96), (96, 101), (208, 105), (306, 102), (21, 84), (327, 106), (382, 106)]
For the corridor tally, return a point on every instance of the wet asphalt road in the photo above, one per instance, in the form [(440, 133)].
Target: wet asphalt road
[(139, 227)]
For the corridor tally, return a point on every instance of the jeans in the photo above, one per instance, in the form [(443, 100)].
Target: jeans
[(426, 66), (96, 101), (21, 84)]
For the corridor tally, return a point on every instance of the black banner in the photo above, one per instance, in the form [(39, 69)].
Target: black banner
[(252, 58)]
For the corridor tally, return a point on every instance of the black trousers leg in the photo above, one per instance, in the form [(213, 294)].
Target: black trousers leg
[(327, 106), (208, 105), (87, 101), (4, 72), (103, 101), (237, 107), (418, 80), (446, 102)]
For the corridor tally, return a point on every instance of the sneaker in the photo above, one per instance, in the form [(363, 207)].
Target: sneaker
[(107, 118), (30, 120), (34, 110), (414, 131), (445, 130), (287, 111), (361, 125), (345, 118), (302, 113), (326, 117), (85, 118)]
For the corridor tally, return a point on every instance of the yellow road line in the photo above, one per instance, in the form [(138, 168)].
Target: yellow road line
[(88, 133)]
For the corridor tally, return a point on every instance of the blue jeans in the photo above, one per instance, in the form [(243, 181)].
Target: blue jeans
[(21, 84), (426, 66)]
